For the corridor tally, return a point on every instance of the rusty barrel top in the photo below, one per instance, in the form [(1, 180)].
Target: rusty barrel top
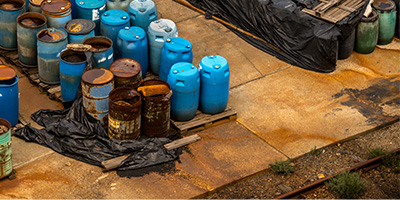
[(99, 43), (32, 20), (6, 72), (55, 6), (125, 68), (11, 5), (98, 76), (384, 5), (36, 2), (79, 26), (51, 35)]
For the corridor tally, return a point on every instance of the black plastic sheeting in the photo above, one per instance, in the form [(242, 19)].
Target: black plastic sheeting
[(74, 133), (300, 39)]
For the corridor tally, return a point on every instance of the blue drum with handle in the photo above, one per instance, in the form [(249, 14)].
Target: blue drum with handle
[(111, 22), (142, 13), (91, 10)]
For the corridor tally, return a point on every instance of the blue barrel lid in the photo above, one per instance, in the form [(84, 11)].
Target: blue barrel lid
[(183, 69), (115, 17), (141, 5), (132, 34), (163, 26), (178, 44), (90, 4), (216, 62)]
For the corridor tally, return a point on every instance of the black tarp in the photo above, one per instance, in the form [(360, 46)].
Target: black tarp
[(300, 39)]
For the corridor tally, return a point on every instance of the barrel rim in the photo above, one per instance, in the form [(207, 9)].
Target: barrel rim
[(116, 12), (12, 84), (72, 63), (34, 4), (14, 72), (77, 2), (89, 83), (170, 44), (65, 35), (120, 89), (136, 64), (391, 7), (67, 8), (92, 26), (102, 38), (373, 18), (6, 123), (22, 7), (24, 15), (123, 36)]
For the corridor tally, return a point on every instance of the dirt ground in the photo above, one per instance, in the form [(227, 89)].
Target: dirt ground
[(382, 183)]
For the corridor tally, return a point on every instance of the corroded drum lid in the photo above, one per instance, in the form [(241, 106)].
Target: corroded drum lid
[(6, 72), (36, 2), (11, 5), (51, 35), (97, 76), (125, 68), (55, 6), (384, 5), (79, 26)]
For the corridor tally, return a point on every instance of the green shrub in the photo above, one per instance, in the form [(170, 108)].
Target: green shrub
[(375, 152), (315, 152), (392, 161), (282, 167), (347, 185)]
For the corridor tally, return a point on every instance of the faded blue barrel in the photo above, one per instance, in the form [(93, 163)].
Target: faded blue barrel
[(142, 13), (118, 5), (111, 22), (57, 12), (34, 6), (91, 10), (9, 11), (5, 149), (132, 43), (386, 10), (79, 30), (29, 24), (156, 110), (214, 88), (127, 73), (96, 86), (102, 49), (124, 114), (175, 50), (50, 42), (159, 31), (184, 80), (9, 97), (72, 65)]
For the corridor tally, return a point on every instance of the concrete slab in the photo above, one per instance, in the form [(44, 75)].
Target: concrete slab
[(168, 9)]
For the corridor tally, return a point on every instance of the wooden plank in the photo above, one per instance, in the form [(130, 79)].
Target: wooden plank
[(116, 162), (54, 89), (340, 10)]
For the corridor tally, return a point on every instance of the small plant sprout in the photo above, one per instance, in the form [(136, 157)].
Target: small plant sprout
[(282, 167), (392, 161), (347, 185), (315, 152), (375, 152)]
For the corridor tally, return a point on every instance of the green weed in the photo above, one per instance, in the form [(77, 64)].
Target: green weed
[(392, 161), (282, 167), (375, 152), (347, 185), (315, 152)]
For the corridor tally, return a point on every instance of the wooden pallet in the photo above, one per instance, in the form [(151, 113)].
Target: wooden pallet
[(202, 121), (334, 10)]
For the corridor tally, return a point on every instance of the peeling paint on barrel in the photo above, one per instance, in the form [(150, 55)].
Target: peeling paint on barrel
[(156, 112), (127, 73), (96, 86), (5, 150), (124, 114), (9, 11)]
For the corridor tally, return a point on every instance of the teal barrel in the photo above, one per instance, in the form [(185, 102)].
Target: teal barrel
[(159, 31), (118, 5), (72, 65), (96, 86), (9, 11), (50, 42), (9, 95), (184, 80), (57, 12), (386, 10), (132, 43), (175, 50), (111, 22), (79, 30), (29, 24), (34, 6), (367, 34), (142, 13), (5, 149), (91, 10), (102, 49), (214, 84), (124, 114), (127, 73)]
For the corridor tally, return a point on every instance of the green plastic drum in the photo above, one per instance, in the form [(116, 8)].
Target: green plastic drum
[(387, 20), (367, 34)]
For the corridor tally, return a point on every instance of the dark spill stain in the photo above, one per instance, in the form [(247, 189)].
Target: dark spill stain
[(369, 101)]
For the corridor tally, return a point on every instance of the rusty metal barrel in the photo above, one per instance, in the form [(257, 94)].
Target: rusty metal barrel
[(127, 73), (156, 110), (124, 114), (57, 12), (96, 86), (5, 148)]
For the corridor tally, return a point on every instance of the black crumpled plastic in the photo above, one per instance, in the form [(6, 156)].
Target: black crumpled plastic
[(300, 39), (74, 133)]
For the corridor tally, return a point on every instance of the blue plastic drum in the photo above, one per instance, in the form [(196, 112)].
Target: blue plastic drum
[(159, 31), (132, 43), (142, 13), (175, 50), (79, 30), (102, 49), (91, 10), (72, 65), (9, 11), (57, 12), (9, 97), (184, 80), (214, 89), (111, 22)]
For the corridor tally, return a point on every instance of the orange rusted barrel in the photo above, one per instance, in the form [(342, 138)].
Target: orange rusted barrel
[(127, 73)]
